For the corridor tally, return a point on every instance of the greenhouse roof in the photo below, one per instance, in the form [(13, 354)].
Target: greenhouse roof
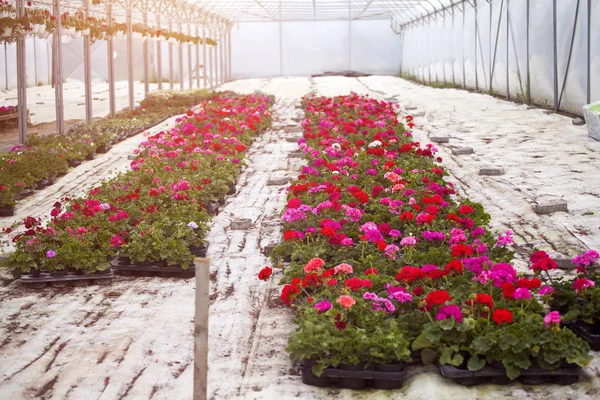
[(400, 11)]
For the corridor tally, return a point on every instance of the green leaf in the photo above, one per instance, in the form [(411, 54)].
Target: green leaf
[(428, 356), (447, 324), (475, 363), (457, 360), (421, 342)]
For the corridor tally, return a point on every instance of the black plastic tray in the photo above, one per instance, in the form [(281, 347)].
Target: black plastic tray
[(70, 279), (582, 330), (497, 376), (356, 379)]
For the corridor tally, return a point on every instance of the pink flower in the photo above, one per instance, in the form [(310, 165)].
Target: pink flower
[(346, 301), (552, 319), (50, 254), (546, 290), (343, 268), (408, 241), (314, 265)]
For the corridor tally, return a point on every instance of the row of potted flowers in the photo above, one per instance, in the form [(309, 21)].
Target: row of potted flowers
[(44, 158), (157, 211), (386, 267), (40, 21)]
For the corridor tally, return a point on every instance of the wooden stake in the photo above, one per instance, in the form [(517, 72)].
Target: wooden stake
[(202, 266)]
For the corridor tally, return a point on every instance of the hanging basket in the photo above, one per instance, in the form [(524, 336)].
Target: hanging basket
[(76, 35), (69, 31), (35, 28), (85, 32), (41, 28), (43, 35), (6, 31)]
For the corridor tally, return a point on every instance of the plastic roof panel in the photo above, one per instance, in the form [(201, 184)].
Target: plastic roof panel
[(401, 11)]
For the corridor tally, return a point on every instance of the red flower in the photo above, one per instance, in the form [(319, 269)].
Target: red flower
[(357, 283), (370, 271), (265, 273), (465, 209), (287, 292), (454, 265), (508, 290), (502, 315), (461, 250), (361, 196), (294, 202), (339, 323), (484, 299), (543, 264), (406, 216), (437, 297), (289, 235), (529, 283), (410, 274), (418, 291), (538, 255)]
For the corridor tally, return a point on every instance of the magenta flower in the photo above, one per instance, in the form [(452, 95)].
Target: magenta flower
[(323, 306), (552, 319), (522, 293), (582, 284), (408, 241), (546, 290), (450, 311), (50, 254)]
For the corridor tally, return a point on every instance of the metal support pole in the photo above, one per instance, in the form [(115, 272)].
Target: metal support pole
[(215, 59), (476, 34), (280, 42), (159, 55), (589, 52), (555, 54), (35, 69), (349, 35), (211, 63), (445, 49), (6, 67), (180, 60), (58, 78), (507, 49), (204, 63), (130, 57), (490, 45), (221, 57), (198, 59), (21, 79), (170, 58), (111, 67), (202, 266), (527, 49), (230, 59), (190, 69), (146, 80), (464, 82), (87, 68)]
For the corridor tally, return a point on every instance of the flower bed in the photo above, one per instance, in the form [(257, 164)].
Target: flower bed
[(156, 212), (387, 266), (43, 158)]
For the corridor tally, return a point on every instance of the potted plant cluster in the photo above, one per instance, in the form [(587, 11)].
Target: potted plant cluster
[(155, 213), (379, 245), (43, 158)]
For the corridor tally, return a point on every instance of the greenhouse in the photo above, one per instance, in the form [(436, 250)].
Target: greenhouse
[(314, 199)]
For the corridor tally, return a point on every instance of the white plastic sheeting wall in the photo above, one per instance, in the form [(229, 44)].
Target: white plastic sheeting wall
[(436, 49), (313, 47)]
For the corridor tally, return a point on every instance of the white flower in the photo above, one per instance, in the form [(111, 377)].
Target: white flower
[(375, 143), (336, 147), (193, 225), (336, 172)]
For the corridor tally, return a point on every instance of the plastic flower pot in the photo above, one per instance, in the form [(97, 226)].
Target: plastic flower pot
[(69, 31), (7, 31), (309, 378), (61, 272), (386, 383), (35, 28), (351, 383), (76, 35), (35, 273), (7, 211), (41, 29), (588, 332), (85, 32), (43, 35)]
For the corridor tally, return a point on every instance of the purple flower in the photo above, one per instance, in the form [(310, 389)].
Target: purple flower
[(50, 254), (450, 311), (323, 306)]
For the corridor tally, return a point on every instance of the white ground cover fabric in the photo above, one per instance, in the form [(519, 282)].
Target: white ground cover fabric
[(133, 340)]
